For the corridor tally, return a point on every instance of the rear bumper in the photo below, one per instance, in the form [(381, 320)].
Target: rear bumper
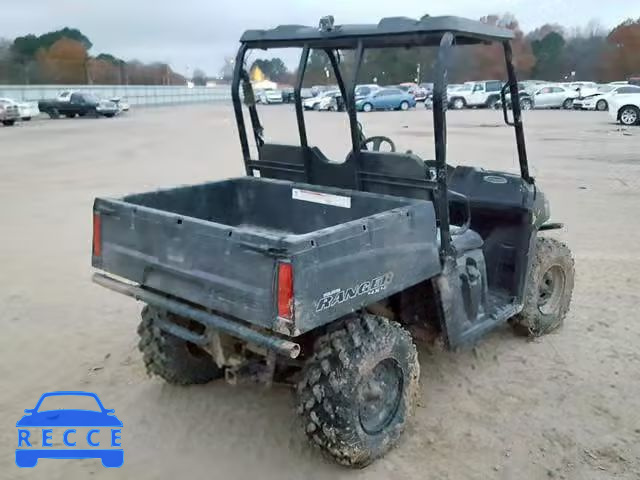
[(208, 320)]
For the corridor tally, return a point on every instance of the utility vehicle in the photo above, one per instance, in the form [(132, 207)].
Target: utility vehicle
[(322, 273)]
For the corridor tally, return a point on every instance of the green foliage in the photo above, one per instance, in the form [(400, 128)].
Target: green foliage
[(107, 57), (25, 48), (274, 69), (549, 53)]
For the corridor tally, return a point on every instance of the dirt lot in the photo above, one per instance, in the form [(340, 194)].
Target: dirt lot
[(565, 406)]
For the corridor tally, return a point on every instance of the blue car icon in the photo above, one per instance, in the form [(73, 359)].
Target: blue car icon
[(97, 419)]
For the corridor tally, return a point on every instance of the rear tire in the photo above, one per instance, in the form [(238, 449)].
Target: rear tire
[(568, 104), (629, 115), (602, 106), (26, 119), (359, 389), (54, 113), (548, 291), (70, 115), (178, 362), (8, 123)]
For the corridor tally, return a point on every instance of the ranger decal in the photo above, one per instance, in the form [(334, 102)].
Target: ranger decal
[(339, 295)]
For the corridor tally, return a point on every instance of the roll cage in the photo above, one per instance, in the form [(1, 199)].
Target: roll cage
[(396, 174)]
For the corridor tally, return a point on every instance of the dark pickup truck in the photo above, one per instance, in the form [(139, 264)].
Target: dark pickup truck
[(80, 104)]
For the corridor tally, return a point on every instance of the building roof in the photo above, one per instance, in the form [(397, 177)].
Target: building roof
[(389, 32)]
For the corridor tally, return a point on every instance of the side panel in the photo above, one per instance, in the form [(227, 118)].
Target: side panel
[(340, 275)]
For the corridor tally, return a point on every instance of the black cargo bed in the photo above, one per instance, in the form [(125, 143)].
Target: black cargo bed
[(218, 245)]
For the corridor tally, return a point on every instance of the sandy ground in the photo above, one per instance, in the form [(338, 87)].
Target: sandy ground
[(565, 406)]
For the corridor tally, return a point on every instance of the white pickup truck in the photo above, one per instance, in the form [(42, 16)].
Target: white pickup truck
[(478, 94)]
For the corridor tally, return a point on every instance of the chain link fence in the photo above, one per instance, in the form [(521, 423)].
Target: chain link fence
[(135, 95)]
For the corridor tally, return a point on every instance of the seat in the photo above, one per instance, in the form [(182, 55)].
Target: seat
[(463, 241)]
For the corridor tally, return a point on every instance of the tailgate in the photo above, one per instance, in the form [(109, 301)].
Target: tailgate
[(203, 262)]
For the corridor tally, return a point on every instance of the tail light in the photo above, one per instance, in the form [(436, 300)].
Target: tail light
[(97, 234), (285, 290)]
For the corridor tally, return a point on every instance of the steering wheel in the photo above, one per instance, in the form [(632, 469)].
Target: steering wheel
[(376, 142)]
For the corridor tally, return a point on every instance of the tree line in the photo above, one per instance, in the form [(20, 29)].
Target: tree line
[(551, 52), (62, 57)]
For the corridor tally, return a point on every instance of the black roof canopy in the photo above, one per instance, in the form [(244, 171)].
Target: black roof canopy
[(389, 32)]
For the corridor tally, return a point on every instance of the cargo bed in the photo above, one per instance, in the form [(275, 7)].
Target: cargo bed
[(219, 245)]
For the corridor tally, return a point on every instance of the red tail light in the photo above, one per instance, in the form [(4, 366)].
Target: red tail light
[(285, 290), (97, 234)]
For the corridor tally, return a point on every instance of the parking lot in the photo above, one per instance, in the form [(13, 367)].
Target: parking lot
[(564, 406)]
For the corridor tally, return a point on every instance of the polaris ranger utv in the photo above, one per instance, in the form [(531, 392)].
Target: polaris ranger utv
[(321, 273)]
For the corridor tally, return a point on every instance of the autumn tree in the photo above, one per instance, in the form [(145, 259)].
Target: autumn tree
[(66, 62), (622, 54), (487, 61)]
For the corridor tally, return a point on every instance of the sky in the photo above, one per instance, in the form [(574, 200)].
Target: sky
[(192, 34)]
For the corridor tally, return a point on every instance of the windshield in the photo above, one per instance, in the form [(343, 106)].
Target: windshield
[(605, 88), (68, 402)]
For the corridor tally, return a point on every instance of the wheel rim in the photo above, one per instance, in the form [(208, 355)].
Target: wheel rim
[(568, 104), (551, 290), (367, 107), (379, 396), (457, 104), (629, 116), (601, 105)]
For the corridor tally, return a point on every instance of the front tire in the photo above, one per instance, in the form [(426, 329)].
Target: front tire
[(359, 389), (548, 291), (458, 103), (629, 115), (8, 123), (175, 360), (526, 104), (367, 107), (602, 106), (568, 104), (404, 106)]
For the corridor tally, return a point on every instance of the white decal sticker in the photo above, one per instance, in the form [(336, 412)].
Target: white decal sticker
[(320, 197)]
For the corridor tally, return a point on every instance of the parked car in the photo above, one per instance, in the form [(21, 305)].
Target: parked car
[(270, 96), (386, 99), (475, 94), (584, 89), (554, 96), (26, 110), (419, 93), (79, 103), (331, 101), (366, 90), (313, 103), (428, 86), (600, 101), (9, 113), (123, 106), (625, 108), (526, 102)]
